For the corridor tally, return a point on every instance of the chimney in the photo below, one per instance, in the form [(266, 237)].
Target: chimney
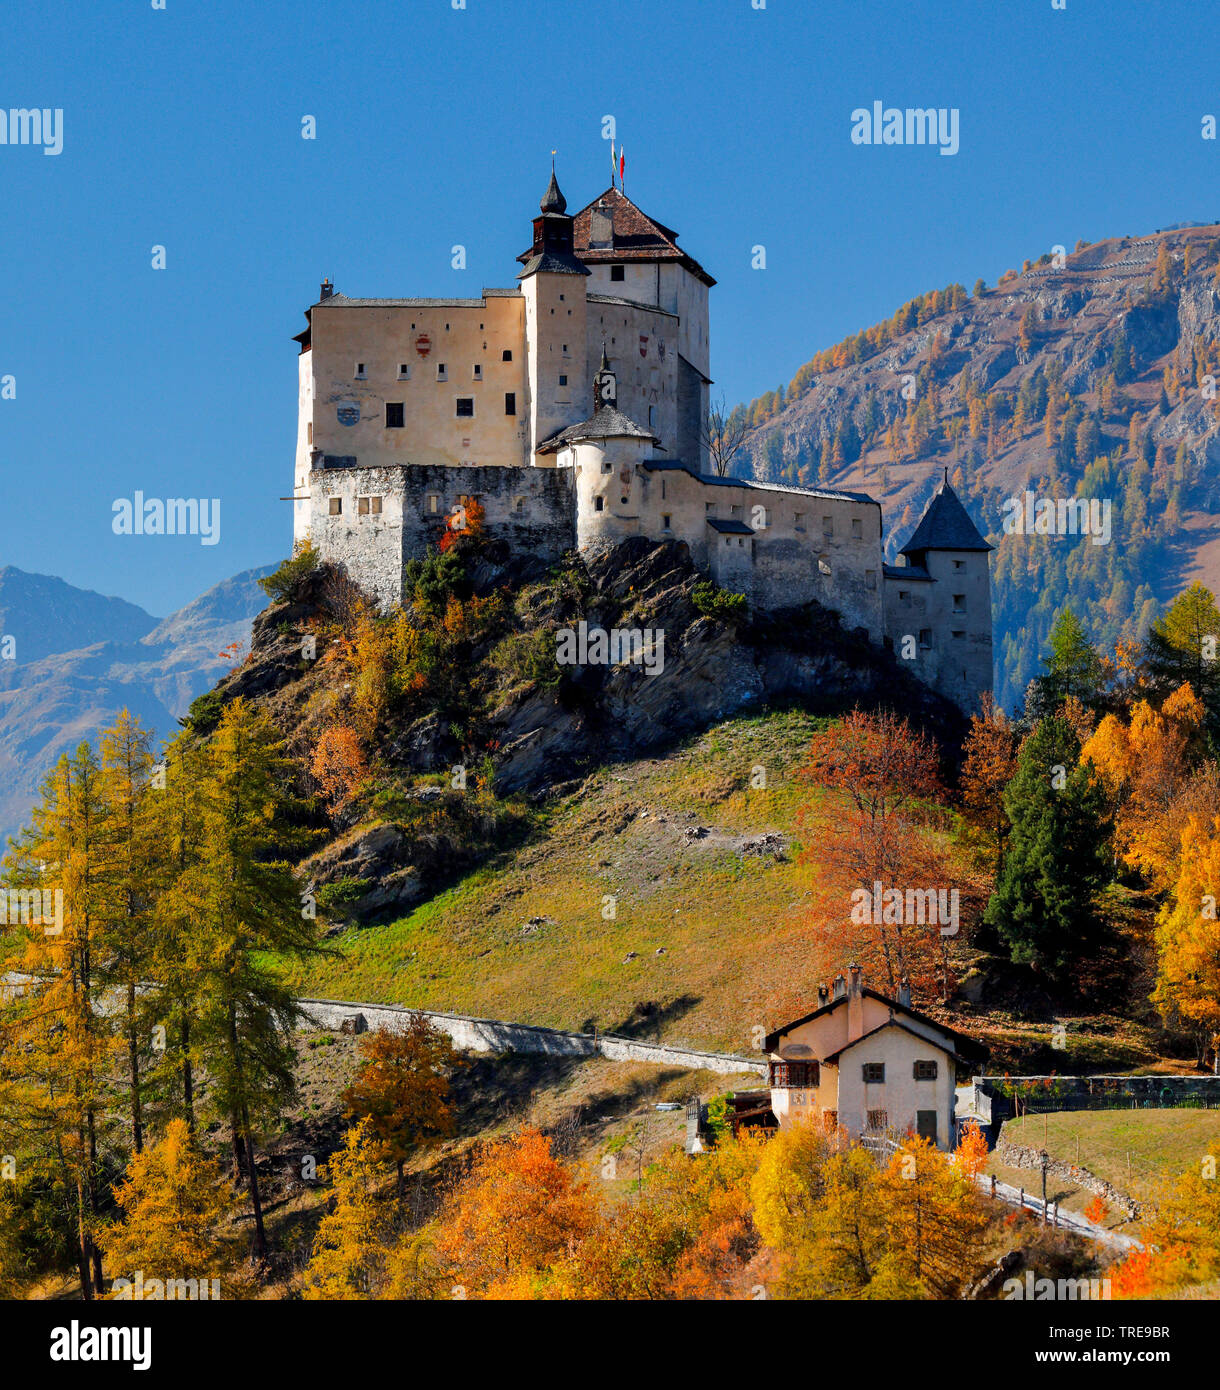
[(327, 289), (823, 995), (904, 994), (840, 986), (855, 1003)]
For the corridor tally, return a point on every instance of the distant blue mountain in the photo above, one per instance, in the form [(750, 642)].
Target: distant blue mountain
[(81, 658)]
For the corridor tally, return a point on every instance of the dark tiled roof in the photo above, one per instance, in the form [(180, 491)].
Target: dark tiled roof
[(554, 261), (553, 200), (634, 236), (962, 1041), (912, 572), (606, 423), (945, 525), (715, 480), (732, 528)]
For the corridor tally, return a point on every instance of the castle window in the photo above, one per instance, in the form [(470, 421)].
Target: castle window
[(798, 521), (561, 301), (506, 355), (565, 346), (607, 466), (870, 579), (728, 540), (393, 415), (828, 526), (925, 1071), (368, 506), (309, 432), (665, 522), (563, 381), (904, 597), (441, 373), (359, 373), (404, 371), (618, 272), (510, 402), (710, 508), (336, 506), (925, 638), (959, 564), (434, 503), (874, 1075), (478, 371), (959, 635), (662, 489), (599, 504), (734, 511), (465, 407), (622, 501), (518, 504), (650, 419), (959, 603), (857, 529)]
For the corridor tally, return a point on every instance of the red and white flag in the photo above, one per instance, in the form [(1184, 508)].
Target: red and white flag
[(622, 166), (613, 164)]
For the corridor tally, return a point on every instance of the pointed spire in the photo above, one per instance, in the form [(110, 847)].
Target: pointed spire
[(553, 200), (605, 362)]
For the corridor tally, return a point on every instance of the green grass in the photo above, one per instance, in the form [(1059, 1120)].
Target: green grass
[(735, 950), (1136, 1150)]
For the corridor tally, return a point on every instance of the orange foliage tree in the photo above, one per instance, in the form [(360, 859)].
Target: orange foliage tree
[(339, 765)]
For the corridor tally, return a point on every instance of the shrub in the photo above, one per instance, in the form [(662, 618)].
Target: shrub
[(282, 584), (714, 602), (204, 713)]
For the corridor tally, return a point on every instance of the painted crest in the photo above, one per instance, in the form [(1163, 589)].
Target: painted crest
[(348, 413), (643, 344), (423, 345)]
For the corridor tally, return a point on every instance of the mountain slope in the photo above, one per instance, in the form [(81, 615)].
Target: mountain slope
[(50, 702), (1091, 374)]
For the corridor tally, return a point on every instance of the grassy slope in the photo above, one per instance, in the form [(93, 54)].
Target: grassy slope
[(735, 954)]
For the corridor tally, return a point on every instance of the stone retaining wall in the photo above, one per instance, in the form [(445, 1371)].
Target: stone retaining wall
[(494, 1035), (1021, 1156)]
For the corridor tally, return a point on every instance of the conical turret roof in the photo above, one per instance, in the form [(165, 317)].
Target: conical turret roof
[(945, 525)]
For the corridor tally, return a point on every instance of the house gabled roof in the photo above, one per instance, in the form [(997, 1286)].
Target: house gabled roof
[(634, 236), (963, 1042), (945, 525), (833, 1059)]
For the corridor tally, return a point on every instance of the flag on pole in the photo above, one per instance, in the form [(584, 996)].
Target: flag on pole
[(613, 164), (622, 168)]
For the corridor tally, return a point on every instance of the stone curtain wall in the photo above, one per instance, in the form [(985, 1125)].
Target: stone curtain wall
[(493, 1035)]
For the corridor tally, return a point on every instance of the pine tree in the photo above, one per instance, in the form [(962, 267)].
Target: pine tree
[(1058, 853)]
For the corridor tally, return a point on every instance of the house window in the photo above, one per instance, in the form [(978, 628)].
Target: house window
[(870, 579), (359, 373), (393, 415), (925, 1124), (441, 372), (857, 529), (478, 371), (368, 506), (874, 1073), (665, 521), (959, 603), (599, 504), (828, 526), (798, 1074), (336, 506), (465, 407), (618, 272), (877, 1120), (506, 355), (925, 1071), (925, 638), (404, 371), (510, 402)]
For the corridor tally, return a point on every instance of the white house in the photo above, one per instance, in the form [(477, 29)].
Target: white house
[(868, 1063)]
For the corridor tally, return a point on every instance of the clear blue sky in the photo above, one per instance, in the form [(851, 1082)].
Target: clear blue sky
[(182, 128)]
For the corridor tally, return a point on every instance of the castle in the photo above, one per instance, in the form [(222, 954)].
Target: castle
[(574, 409)]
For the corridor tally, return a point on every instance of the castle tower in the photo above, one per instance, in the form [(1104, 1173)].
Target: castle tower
[(938, 602), (553, 288)]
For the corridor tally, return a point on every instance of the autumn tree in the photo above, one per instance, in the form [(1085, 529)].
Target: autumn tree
[(972, 1151), (339, 765), (176, 1209), (349, 1258), (1182, 647), (989, 761), (1187, 992), (402, 1089), (518, 1213), (888, 774)]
